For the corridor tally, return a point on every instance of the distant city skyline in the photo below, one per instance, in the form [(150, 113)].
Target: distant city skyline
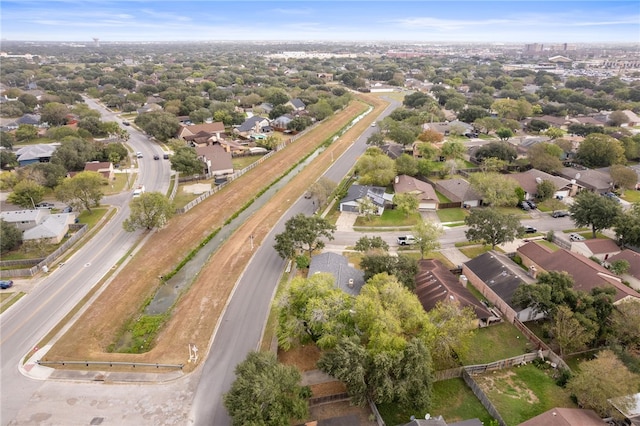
[(412, 21)]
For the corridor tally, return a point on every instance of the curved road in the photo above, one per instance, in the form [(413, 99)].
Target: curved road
[(57, 292)]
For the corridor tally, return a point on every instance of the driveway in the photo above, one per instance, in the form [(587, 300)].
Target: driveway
[(345, 221)]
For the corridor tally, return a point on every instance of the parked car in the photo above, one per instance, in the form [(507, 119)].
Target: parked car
[(406, 240), (126, 123), (307, 195), (576, 237), (45, 205), (67, 209), (156, 157), (5, 284), (560, 213), (524, 206), (531, 204), (530, 229)]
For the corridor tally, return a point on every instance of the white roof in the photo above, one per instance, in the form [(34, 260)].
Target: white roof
[(52, 227), (13, 216)]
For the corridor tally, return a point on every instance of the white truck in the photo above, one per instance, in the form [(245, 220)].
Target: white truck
[(138, 191)]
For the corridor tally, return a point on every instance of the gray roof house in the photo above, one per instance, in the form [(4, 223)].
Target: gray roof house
[(53, 228), (24, 219), (40, 153), (459, 191), (356, 193), (32, 119), (593, 180), (496, 276), (282, 122), (448, 127), (296, 104), (252, 125), (347, 278), (530, 179)]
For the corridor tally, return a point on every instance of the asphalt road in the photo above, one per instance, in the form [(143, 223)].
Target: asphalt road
[(59, 290), (243, 320)]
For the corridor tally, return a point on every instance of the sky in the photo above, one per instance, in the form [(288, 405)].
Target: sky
[(541, 21)]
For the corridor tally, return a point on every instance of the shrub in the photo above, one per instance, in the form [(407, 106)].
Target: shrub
[(302, 262)]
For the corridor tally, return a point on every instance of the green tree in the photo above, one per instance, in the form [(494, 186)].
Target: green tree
[(496, 189), (367, 244), (376, 139), (185, 160), (322, 189), (546, 157), (402, 133), (406, 165), (74, 153), (270, 142), (596, 211), (406, 203), (403, 268), (84, 190), (455, 329), (504, 134), (625, 324), (545, 190), (569, 333), (427, 150), (303, 233), (627, 226), (54, 113), (427, 235), (26, 132), (375, 168), (552, 289), (599, 380), (7, 140), (492, 226), (266, 392), (10, 237), (452, 150), (299, 123), (623, 177), (620, 266), (492, 164), (26, 194), (314, 310), (501, 150), (554, 133), (159, 124), (148, 211), (598, 150), (8, 159)]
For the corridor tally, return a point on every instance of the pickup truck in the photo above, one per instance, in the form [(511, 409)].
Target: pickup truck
[(138, 191), (406, 240)]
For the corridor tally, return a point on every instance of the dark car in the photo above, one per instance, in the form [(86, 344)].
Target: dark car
[(530, 230), (67, 209), (165, 156), (560, 213), (45, 205), (531, 204), (5, 284), (126, 123), (156, 157), (524, 206)]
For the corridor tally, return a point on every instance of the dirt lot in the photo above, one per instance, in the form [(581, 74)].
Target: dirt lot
[(197, 313)]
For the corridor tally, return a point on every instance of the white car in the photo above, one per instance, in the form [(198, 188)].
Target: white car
[(576, 237), (138, 154)]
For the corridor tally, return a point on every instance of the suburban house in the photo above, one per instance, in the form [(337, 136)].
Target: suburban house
[(586, 273), (600, 248), (149, 108), (565, 417), (593, 180), (435, 283), (40, 153), (449, 127), (426, 195), (24, 219), (393, 150), (632, 276), (212, 129), (459, 190), (40, 224), (357, 193), (296, 104), (633, 118), (628, 406), (635, 168), (347, 278), (252, 125), (496, 276), (105, 168), (53, 228), (530, 179), (282, 122), (30, 119), (560, 122), (216, 159)]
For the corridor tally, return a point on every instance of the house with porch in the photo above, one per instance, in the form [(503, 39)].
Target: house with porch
[(252, 125), (104, 168), (459, 190), (530, 180), (424, 192), (211, 129), (357, 193), (217, 161)]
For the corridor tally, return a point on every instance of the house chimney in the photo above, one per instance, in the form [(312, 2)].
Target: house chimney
[(350, 284), (397, 179)]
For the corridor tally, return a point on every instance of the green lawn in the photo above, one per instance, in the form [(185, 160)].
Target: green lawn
[(494, 343), (475, 251), (548, 244), (631, 196), (442, 198), (240, 163), (514, 211), (521, 393), (451, 215), (452, 399), (389, 218)]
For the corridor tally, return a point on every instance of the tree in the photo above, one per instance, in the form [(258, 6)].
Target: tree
[(427, 150), (406, 165), (299, 123), (404, 268), (501, 150), (149, 210), (8, 159), (82, 190), (266, 392), (625, 324), (185, 160), (402, 133), (10, 237), (427, 235), (452, 150), (620, 266), (159, 124), (545, 190), (26, 194), (366, 244), (554, 133), (303, 233), (596, 211), (406, 203), (431, 136), (504, 134), (623, 177), (26, 132), (375, 168), (314, 310), (455, 329), (322, 189), (74, 153), (54, 113), (492, 227), (546, 157), (7, 140), (492, 164), (617, 118), (627, 226), (569, 333), (598, 150), (553, 289), (599, 380), (376, 139), (496, 189)]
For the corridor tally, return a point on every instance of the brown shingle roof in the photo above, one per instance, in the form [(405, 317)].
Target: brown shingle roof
[(601, 245), (423, 190), (565, 417), (435, 283), (632, 257), (528, 182), (457, 190)]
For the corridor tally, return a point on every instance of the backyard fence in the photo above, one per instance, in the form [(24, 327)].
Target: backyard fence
[(479, 393)]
